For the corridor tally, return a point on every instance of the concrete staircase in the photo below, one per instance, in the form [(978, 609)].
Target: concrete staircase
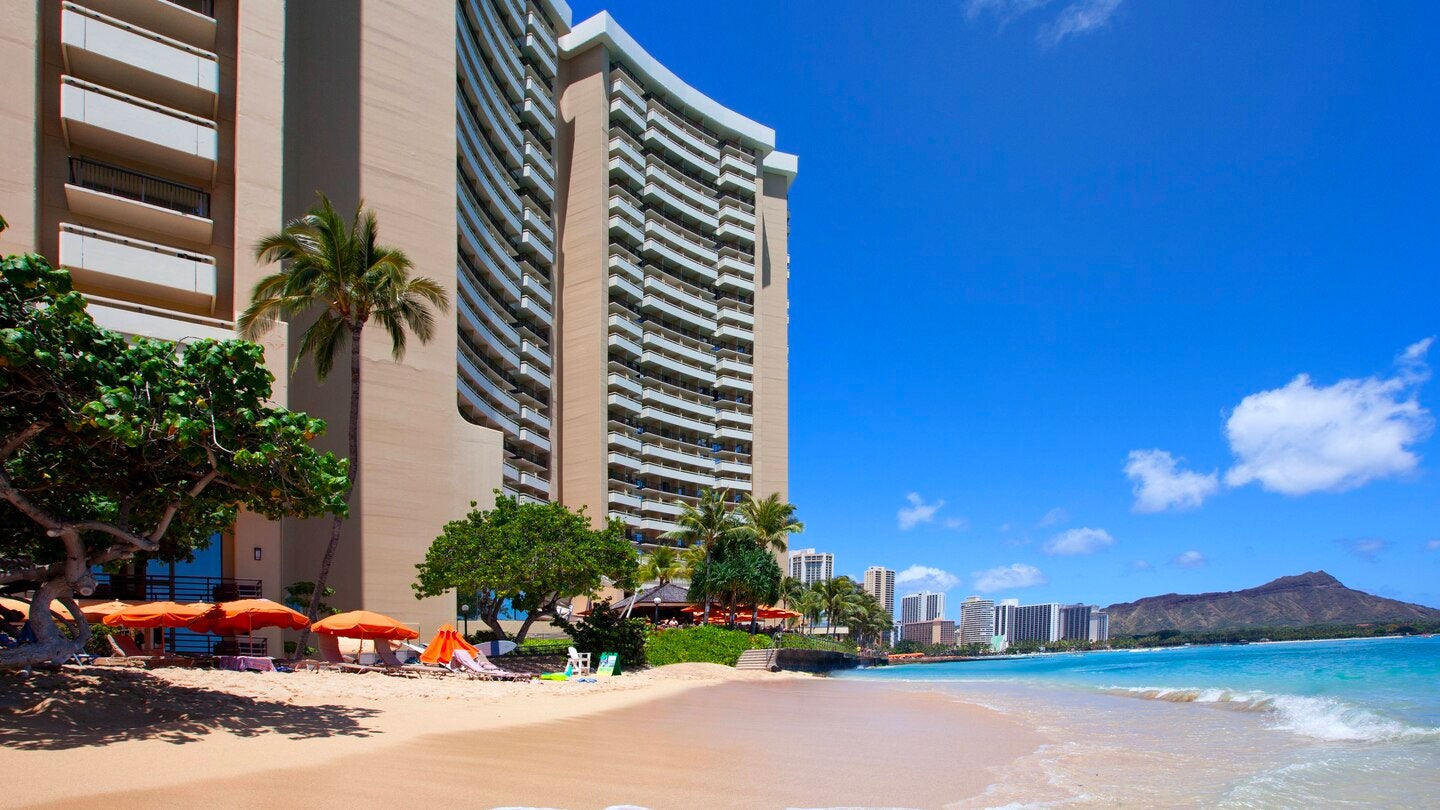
[(758, 659)]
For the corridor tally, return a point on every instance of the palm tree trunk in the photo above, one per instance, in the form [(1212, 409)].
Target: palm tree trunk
[(705, 592), (353, 435)]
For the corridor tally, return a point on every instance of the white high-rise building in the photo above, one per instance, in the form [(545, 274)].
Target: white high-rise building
[(811, 566), (1036, 623), (922, 607), (880, 583), (1099, 626), (977, 621), (1005, 618)]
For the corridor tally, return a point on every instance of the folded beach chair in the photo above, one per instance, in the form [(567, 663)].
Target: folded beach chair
[(478, 666), (129, 652), (392, 665)]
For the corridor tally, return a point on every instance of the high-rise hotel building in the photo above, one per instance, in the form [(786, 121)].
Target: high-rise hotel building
[(614, 242), (880, 583)]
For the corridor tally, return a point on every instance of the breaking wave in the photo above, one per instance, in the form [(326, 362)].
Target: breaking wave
[(1315, 717)]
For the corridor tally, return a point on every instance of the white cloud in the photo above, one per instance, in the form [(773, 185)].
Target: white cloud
[(1006, 577), (1004, 527), (1002, 10), (1366, 549), (959, 524), (1189, 559), (1054, 517), (1433, 545), (1141, 565), (926, 578), (1303, 438), (917, 512), (1072, 542), (1077, 18), (1159, 484)]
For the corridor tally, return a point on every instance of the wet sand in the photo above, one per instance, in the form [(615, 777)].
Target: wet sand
[(709, 739)]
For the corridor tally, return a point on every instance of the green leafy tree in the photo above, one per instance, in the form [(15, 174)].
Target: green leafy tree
[(769, 522), (299, 594), (738, 573), (529, 555), (113, 450), (663, 565), (841, 598), (705, 525), (340, 271), (603, 631), (810, 604)]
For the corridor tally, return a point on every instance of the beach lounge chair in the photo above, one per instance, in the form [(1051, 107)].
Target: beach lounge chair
[(580, 661), (128, 652), (478, 666), (391, 663)]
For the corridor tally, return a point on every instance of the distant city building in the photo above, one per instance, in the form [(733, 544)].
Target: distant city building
[(933, 631), (811, 566), (977, 621), (921, 607), (1099, 626), (1075, 621), (1005, 617), (1036, 623), (880, 583)]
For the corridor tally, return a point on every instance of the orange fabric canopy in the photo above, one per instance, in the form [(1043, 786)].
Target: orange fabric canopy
[(97, 611), (156, 614), (24, 608), (246, 616), (443, 646), (364, 624)]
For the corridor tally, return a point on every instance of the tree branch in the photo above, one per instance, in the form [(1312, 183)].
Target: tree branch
[(18, 440)]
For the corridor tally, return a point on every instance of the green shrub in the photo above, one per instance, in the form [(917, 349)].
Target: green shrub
[(603, 631), (710, 645), (543, 646), (796, 641)]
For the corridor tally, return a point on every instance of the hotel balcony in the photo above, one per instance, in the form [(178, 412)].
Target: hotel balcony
[(740, 233), (626, 384), (624, 110), (619, 441), (700, 410), (535, 353), (536, 310), (480, 410), (625, 345), (629, 212), (621, 284), (534, 439), (624, 460), (699, 479), (661, 453), (535, 374), (101, 118), (539, 92), (734, 368), (734, 384), (140, 200), (538, 244), (624, 500), (729, 211), (723, 417), (622, 145), (622, 324), (191, 22), (681, 241), (676, 349), (667, 363), (536, 178), (739, 165), (532, 416), (139, 320), (533, 111), (732, 484), (740, 284), (665, 253), (734, 434), (540, 43), (142, 62), (653, 303), (508, 62), (536, 223), (132, 267), (687, 136), (478, 307), (622, 225), (676, 420), (735, 264), (682, 209), (658, 525), (624, 403), (657, 284), (660, 506), (532, 285), (475, 368), (732, 469), (660, 140), (735, 316), (622, 87), (733, 332), (736, 182), (625, 265), (537, 156)]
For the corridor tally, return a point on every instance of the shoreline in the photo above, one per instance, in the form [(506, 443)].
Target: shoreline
[(683, 735)]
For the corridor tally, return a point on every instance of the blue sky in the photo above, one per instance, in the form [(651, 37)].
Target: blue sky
[(1056, 269)]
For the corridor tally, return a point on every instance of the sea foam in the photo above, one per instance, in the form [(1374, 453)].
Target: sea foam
[(1319, 718)]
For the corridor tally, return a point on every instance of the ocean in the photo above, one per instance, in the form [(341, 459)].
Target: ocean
[(1291, 724)]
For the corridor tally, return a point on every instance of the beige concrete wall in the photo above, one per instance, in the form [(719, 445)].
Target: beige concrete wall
[(582, 284), (771, 470), (19, 134)]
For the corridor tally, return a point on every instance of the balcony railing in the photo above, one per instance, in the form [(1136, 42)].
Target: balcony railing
[(158, 587), (144, 188)]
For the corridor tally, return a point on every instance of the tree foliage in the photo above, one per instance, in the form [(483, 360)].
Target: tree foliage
[(111, 449), (529, 555), (605, 631), (738, 573)]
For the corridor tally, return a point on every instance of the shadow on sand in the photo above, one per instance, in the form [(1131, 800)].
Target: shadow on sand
[(79, 708)]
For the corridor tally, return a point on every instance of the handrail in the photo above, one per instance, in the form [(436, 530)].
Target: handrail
[(146, 188)]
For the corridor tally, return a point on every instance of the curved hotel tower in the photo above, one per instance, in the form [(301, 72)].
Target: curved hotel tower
[(614, 242)]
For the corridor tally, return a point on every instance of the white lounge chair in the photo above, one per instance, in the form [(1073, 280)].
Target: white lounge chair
[(478, 666), (580, 661)]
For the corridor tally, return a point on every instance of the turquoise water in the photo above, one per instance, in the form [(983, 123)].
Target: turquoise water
[(1353, 722)]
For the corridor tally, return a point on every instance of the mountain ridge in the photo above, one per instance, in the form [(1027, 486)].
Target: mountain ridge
[(1299, 600)]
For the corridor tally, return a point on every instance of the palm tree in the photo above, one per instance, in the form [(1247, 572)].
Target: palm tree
[(769, 522), (341, 270), (661, 564), (840, 599), (705, 525), (810, 604)]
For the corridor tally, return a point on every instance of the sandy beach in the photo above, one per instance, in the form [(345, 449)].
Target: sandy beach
[(690, 735)]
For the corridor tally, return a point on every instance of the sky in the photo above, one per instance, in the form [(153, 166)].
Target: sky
[(1093, 300)]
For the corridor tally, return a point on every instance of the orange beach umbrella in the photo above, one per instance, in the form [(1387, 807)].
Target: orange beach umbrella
[(245, 616), (156, 614), (443, 646), (24, 608), (97, 611), (364, 624)]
